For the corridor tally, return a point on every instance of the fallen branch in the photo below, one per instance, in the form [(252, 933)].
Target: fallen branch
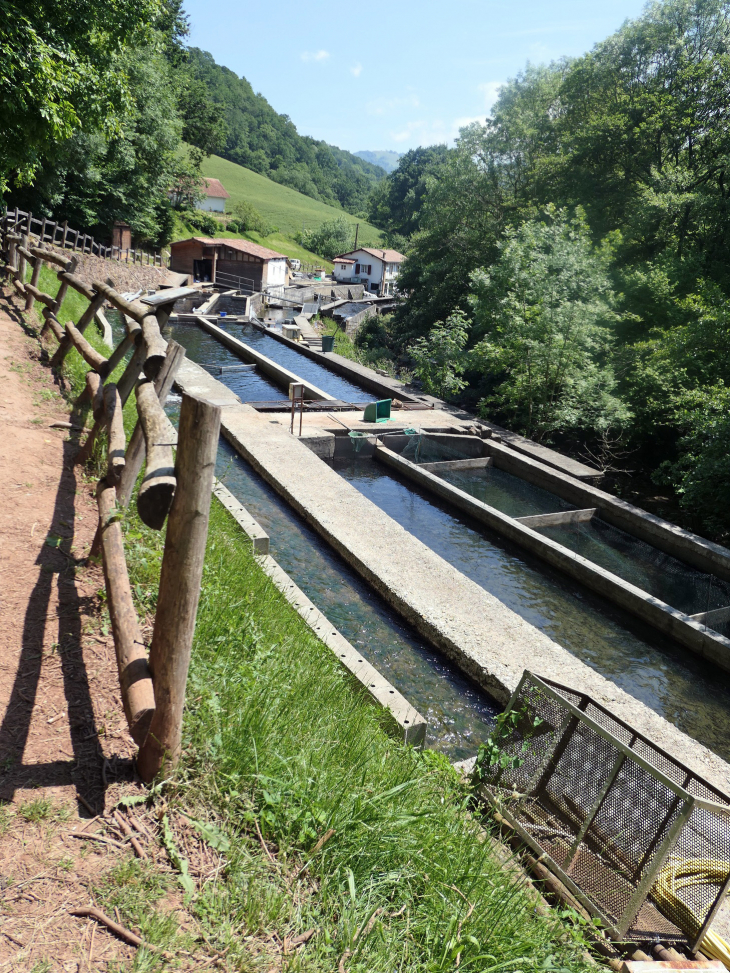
[(139, 850), (126, 935)]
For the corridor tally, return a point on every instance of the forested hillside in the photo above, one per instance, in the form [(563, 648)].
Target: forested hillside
[(97, 110), (262, 140), (570, 256), (387, 160)]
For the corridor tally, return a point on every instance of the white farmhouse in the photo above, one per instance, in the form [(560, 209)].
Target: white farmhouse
[(215, 196), (377, 269)]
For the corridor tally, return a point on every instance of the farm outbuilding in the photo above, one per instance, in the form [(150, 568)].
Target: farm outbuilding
[(236, 264)]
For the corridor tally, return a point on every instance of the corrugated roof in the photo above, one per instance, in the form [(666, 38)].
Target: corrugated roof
[(215, 188), (387, 256), (245, 246)]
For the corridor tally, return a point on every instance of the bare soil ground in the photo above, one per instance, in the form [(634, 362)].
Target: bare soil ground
[(65, 753)]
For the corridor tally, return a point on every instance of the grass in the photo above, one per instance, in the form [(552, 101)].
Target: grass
[(277, 741), (291, 211), (328, 825)]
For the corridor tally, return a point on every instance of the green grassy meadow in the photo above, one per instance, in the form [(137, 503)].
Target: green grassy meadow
[(291, 211)]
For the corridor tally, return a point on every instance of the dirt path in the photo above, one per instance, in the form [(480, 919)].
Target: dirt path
[(65, 754)]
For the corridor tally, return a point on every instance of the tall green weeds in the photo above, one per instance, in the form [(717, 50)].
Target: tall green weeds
[(375, 847)]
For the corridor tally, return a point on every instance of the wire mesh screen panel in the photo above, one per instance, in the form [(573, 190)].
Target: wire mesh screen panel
[(639, 839)]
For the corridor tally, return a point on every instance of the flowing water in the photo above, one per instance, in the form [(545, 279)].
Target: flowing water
[(692, 695), (689, 693), (661, 575)]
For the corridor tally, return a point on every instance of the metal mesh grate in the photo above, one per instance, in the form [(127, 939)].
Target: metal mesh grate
[(639, 839)]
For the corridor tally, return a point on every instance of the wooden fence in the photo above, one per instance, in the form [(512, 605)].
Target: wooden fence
[(152, 688), (63, 236)]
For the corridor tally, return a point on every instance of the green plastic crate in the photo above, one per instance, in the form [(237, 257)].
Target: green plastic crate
[(378, 411)]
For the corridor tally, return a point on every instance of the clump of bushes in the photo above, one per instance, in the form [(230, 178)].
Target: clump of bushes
[(247, 219)]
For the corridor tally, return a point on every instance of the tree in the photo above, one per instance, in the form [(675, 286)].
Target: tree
[(395, 203), (330, 238), (439, 359), (58, 74), (247, 219), (543, 317)]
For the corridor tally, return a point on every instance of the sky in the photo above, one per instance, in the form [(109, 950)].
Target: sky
[(398, 74)]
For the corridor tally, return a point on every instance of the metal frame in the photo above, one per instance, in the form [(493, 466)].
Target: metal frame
[(665, 839)]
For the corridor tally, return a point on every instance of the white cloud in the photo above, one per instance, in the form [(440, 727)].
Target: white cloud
[(386, 106), (315, 55), (490, 91), (356, 70), (434, 132)]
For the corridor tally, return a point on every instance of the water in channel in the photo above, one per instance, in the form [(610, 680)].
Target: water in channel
[(667, 678), (661, 575), (458, 714)]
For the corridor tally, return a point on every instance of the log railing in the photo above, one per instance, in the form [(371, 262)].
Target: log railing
[(174, 491), (61, 235)]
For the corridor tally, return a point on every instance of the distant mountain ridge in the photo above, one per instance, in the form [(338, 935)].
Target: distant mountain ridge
[(268, 143), (387, 159)]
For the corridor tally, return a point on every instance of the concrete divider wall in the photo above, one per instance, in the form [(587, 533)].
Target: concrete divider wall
[(359, 374), (684, 629), (668, 537), (407, 722), (280, 375)]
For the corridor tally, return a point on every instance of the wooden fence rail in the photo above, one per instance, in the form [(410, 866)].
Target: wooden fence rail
[(62, 235), (152, 689)]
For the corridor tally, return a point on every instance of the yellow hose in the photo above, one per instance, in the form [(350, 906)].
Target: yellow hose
[(682, 875)]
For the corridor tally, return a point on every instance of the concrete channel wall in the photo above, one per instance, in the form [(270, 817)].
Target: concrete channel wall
[(682, 544), (385, 388), (690, 633), (277, 373), (486, 639), (406, 722)]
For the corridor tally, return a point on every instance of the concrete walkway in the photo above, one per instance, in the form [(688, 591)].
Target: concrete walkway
[(469, 625)]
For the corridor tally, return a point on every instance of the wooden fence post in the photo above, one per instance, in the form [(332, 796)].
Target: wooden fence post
[(182, 571), (30, 299), (134, 674), (65, 231), (61, 293), (136, 449)]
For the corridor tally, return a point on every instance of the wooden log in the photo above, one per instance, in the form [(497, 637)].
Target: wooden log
[(22, 259), (136, 447), (134, 674), (41, 296), (65, 232), (63, 288), (25, 253), (117, 442), (158, 486), (91, 356), (96, 301), (42, 234), (126, 307), (34, 278), (124, 386), (55, 327), (95, 395), (76, 240), (20, 288), (182, 570), (155, 345), (78, 284), (120, 351), (54, 258)]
